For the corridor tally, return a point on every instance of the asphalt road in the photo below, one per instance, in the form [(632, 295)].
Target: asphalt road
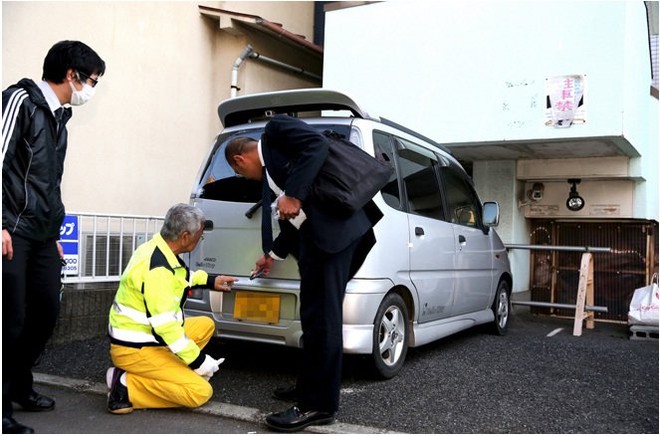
[(537, 379)]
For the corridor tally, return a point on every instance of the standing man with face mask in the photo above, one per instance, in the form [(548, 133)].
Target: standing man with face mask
[(34, 142)]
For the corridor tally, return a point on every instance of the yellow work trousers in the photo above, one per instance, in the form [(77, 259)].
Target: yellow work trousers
[(157, 378)]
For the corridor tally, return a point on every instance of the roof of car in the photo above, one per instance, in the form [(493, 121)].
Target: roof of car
[(244, 109)]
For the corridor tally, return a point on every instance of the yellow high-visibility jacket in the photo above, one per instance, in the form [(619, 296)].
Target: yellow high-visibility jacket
[(148, 306)]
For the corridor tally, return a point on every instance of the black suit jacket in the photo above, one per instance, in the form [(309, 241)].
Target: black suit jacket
[(293, 153)]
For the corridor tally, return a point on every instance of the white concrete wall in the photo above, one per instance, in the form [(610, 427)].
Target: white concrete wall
[(470, 71), (640, 114), (496, 181), (136, 147), (452, 62), (475, 71)]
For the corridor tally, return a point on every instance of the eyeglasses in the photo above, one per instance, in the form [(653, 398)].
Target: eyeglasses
[(86, 77)]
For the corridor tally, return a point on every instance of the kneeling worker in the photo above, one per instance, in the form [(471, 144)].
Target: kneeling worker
[(157, 355)]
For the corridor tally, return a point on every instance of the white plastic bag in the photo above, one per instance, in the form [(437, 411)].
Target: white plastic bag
[(644, 305)]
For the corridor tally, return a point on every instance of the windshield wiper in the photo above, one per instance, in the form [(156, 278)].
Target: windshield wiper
[(253, 209)]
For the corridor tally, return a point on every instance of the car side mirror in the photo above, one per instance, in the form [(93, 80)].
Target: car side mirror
[(491, 214)]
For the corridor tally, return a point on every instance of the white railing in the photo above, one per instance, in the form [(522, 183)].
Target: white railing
[(98, 247)]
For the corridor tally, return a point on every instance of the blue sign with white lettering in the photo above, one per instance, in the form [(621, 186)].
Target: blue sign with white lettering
[(70, 240)]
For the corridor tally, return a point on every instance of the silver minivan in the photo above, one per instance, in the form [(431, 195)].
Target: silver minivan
[(438, 266)]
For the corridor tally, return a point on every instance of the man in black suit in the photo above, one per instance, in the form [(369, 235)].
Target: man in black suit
[(329, 250)]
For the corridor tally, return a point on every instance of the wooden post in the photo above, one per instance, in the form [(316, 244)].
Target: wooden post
[(585, 294)]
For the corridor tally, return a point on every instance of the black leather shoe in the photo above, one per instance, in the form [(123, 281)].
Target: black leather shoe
[(294, 419), (36, 403), (10, 426), (118, 402), (286, 394)]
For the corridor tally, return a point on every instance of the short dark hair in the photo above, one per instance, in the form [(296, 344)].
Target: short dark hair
[(237, 146), (71, 54)]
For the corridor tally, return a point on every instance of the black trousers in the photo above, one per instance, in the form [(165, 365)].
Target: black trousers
[(323, 283), (31, 284)]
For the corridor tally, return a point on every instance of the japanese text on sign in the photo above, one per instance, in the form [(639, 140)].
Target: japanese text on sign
[(565, 98), (70, 242)]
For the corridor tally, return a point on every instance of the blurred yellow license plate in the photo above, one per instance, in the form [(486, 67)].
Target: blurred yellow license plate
[(257, 307)]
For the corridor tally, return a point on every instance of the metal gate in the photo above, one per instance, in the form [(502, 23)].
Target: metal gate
[(630, 264)]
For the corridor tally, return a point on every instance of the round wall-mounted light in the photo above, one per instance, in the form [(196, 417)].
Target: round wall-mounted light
[(574, 201)]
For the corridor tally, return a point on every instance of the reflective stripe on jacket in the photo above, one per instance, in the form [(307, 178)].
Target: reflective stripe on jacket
[(148, 306)]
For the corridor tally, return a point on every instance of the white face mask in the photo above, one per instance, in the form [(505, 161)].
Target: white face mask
[(81, 97)]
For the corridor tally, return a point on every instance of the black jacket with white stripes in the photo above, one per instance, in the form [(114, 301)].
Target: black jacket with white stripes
[(33, 153)]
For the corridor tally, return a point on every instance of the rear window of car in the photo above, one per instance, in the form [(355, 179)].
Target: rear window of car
[(220, 182)]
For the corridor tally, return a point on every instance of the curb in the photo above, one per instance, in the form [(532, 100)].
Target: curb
[(215, 408)]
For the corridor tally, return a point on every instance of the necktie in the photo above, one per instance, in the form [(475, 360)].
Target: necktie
[(266, 219)]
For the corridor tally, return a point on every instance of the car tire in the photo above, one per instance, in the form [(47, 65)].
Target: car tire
[(390, 336), (501, 308)]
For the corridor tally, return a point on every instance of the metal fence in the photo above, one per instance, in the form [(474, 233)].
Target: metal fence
[(103, 245)]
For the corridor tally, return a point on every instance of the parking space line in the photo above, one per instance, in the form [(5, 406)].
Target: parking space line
[(224, 410), (554, 332)]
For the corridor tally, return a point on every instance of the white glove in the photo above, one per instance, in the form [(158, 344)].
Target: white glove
[(209, 367)]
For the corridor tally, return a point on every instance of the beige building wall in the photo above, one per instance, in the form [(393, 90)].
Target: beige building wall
[(137, 146)]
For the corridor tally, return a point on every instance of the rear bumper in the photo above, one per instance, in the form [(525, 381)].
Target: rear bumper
[(288, 333), (358, 339), (361, 303)]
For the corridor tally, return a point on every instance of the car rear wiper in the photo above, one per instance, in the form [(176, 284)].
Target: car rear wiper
[(253, 209)]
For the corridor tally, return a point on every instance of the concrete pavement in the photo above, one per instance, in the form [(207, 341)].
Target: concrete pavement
[(81, 409)]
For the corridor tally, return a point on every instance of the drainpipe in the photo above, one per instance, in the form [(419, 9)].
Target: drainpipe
[(249, 53), (234, 69), (256, 56)]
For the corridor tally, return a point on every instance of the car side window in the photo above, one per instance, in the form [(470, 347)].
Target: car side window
[(420, 181), (462, 201), (384, 152)]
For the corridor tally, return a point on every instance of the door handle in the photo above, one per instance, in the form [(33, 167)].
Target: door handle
[(461, 239), (419, 231)]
